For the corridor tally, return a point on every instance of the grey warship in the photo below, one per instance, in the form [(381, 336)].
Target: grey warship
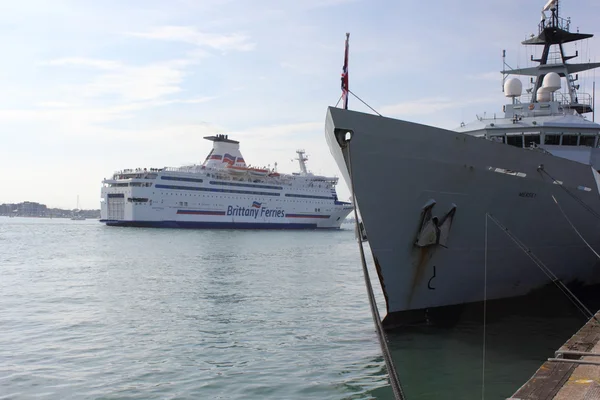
[(426, 195)]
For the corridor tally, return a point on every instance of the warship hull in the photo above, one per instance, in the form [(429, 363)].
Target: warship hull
[(400, 169)]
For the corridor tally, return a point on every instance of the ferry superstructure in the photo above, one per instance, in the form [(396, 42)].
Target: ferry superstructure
[(222, 192), (462, 197)]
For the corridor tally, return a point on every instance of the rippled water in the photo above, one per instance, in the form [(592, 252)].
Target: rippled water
[(88, 311)]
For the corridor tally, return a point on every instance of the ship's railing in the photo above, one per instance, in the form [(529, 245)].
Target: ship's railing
[(284, 179), (555, 22), (584, 99), (136, 173), (564, 99), (194, 169), (138, 170)]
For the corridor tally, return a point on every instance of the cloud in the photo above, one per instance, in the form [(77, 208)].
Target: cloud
[(280, 131), (85, 62), (68, 121), (53, 104), (190, 35), (419, 107), (304, 67), (84, 110), (75, 120), (138, 83), (428, 106), (187, 101), (129, 82), (486, 76), (325, 3)]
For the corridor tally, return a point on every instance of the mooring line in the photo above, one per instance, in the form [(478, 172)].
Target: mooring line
[(561, 286), (570, 193), (485, 250), (575, 229), (383, 341)]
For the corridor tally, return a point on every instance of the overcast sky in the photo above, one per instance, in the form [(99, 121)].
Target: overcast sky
[(90, 87)]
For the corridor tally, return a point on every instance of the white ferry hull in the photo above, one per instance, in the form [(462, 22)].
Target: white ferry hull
[(217, 218), (398, 167), (207, 206), (203, 219)]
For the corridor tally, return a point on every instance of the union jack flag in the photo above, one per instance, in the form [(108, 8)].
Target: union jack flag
[(256, 204), (228, 158), (345, 86)]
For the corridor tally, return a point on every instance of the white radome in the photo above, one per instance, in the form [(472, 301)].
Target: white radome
[(551, 82), (513, 87)]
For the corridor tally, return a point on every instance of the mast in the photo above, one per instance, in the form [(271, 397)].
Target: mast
[(555, 32), (302, 161), (345, 87)]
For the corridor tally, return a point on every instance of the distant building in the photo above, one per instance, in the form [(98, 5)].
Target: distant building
[(6, 209), (33, 209)]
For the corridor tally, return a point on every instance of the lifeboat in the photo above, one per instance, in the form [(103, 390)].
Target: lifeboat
[(274, 174), (258, 171), (236, 170)]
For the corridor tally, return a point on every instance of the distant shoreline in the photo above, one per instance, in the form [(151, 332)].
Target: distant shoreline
[(38, 210)]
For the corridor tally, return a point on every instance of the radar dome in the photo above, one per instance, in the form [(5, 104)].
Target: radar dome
[(551, 82), (543, 95), (513, 87)]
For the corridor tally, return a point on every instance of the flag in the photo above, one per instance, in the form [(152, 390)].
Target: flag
[(345, 87), (256, 204)]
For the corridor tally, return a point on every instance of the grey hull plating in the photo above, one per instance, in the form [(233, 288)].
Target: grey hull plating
[(398, 167)]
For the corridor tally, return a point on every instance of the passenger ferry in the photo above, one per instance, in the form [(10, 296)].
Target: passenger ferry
[(222, 192)]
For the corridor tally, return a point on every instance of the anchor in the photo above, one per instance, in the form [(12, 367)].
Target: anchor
[(433, 230)]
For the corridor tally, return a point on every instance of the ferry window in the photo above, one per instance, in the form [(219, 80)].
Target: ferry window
[(569, 140), (531, 139), (552, 139), (515, 140), (587, 141), (499, 139)]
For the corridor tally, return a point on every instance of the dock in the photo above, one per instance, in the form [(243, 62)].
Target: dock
[(574, 371)]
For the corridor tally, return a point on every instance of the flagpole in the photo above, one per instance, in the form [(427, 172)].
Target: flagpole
[(345, 86)]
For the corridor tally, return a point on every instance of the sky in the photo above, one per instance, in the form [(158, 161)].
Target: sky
[(91, 87)]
